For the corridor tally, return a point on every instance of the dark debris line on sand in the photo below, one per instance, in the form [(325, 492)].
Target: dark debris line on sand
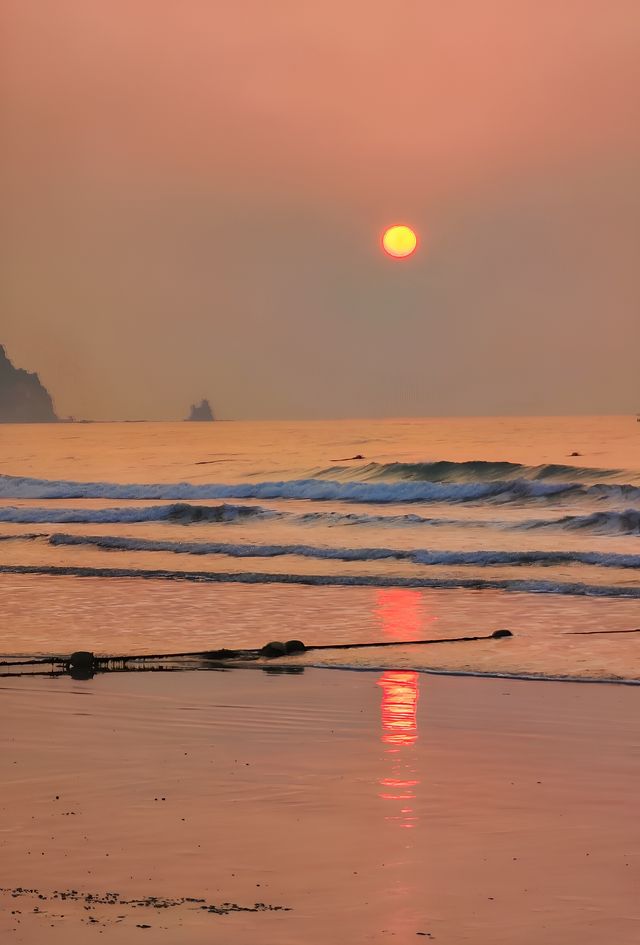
[(91, 900), (86, 664)]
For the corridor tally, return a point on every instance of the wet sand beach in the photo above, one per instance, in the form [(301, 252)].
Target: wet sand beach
[(370, 807)]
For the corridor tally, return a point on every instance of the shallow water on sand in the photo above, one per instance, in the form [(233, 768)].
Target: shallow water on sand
[(441, 528), (62, 614)]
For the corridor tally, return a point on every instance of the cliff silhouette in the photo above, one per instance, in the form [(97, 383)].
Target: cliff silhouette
[(23, 399), (201, 411)]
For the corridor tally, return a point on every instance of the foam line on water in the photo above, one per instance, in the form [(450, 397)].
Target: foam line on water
[(473, 673), (624, 522), (422, 556), (335, 580)]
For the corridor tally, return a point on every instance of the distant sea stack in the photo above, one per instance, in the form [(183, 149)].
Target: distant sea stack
[(23, 399), (201, 411)]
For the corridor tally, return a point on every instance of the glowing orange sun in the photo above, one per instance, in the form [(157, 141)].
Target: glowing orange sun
[(399, 241)]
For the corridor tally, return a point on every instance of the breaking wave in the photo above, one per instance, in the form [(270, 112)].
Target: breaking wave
[(336, 580), (181, 513), (417, 556), (186, 514), (12, 487), (471, 471), (600, 523), (626, 522), (408, 519)]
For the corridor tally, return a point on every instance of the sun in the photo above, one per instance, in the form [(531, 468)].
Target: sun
[(399, 241)]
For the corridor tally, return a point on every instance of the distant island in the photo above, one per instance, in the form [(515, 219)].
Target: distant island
[(201, 411), (23, 399)]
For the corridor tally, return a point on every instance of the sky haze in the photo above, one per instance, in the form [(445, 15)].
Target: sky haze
[(195, 194)]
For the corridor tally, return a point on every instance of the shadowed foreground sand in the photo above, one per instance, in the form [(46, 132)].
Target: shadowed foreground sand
[(375, 807)]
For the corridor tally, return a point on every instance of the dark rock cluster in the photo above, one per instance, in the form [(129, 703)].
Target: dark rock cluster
[(201, 411)]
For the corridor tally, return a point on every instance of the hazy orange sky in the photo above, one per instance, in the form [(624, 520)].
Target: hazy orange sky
[(194, 193)]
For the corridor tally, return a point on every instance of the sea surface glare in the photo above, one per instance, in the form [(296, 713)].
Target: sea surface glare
[(153, 537)]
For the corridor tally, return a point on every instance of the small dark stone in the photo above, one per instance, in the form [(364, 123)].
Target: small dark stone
[(82, 664), (499, 634), (295, 646), (275, 648), (82, 658)]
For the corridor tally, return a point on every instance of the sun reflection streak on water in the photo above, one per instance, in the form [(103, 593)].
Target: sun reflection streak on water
[(401, 612)]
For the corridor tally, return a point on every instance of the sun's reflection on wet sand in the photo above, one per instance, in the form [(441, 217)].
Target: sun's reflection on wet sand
[(401, 615), (400, 691), (399, 707)]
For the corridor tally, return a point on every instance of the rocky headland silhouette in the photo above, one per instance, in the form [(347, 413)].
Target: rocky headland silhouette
[(23, 398)]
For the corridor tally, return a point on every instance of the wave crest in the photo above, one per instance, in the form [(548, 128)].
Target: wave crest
[(470, 471), (318, 490), (626, 522)]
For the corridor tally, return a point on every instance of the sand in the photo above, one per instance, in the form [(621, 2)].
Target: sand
[(374, 808)]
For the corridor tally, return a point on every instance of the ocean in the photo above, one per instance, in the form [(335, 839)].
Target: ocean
[(127, 538)]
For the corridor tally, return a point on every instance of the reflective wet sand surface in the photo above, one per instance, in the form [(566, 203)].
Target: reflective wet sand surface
[(376, 807)]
